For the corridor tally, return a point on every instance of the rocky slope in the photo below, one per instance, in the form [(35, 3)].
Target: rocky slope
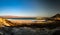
[(4, 22), (56, 17)]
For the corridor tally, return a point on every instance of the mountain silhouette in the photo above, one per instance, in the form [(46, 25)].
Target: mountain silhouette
[(55, 16)]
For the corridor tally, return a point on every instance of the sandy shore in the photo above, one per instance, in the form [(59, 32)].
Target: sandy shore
[(27, 21), (21, 21)]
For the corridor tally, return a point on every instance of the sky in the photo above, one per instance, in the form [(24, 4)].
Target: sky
[(44, 8)]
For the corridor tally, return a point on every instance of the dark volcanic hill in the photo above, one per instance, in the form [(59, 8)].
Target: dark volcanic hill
[(56, 16)]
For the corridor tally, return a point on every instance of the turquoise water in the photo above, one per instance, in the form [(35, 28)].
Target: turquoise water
[(22, 19)]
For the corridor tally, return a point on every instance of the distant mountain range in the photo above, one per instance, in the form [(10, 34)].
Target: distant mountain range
[(16, 17), (9, 16)]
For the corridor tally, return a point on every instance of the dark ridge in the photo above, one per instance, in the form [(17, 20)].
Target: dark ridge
[(57, 15)]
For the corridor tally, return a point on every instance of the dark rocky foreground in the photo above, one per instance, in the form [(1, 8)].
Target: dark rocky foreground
[(29, 31), (34, 29)]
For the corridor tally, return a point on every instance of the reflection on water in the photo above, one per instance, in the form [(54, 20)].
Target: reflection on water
[(27, 31)]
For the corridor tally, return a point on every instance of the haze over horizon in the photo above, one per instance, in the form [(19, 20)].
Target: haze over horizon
[(44, 8)]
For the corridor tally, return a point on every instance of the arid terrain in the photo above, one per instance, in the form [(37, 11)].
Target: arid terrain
[(38, 22), (47, 26)]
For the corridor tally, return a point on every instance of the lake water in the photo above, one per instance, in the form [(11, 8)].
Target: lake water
[(21, 19)]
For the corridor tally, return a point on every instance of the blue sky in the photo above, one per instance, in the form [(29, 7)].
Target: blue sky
[(25, 8)]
